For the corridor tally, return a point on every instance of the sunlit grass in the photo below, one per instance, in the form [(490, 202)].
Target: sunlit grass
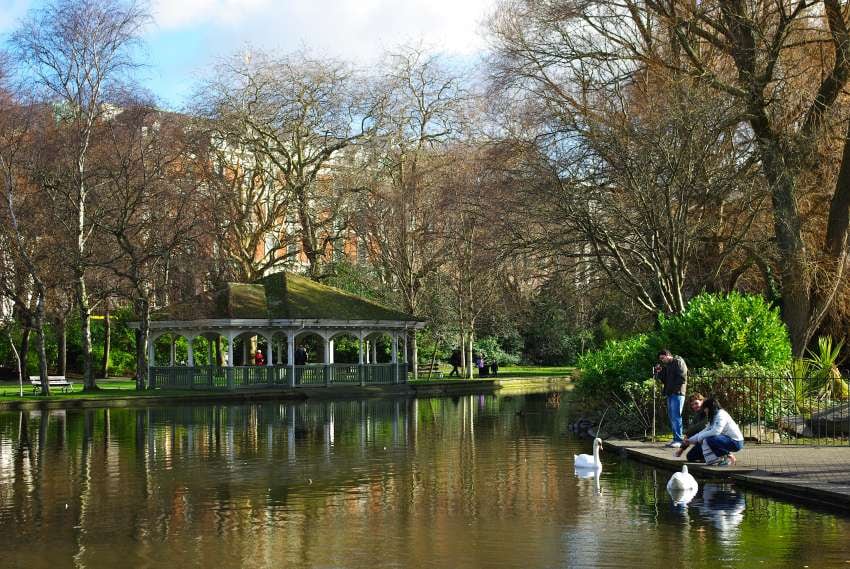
[(509, 372), (118, 387), (126, 387)]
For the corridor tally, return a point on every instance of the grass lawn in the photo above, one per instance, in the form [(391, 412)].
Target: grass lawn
[(126, 387), (507, 372), (118, 387)]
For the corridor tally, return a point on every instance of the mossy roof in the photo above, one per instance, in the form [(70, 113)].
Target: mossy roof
[(280, 296)]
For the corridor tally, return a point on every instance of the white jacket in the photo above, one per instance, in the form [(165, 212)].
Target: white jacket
[(722, 424)]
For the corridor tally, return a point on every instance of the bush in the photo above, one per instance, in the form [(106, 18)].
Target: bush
[(492, 351), (715, 330), (731, 329), (618, 362)]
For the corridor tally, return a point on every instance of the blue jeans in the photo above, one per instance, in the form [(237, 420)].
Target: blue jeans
[(721, 445), (675, 403)]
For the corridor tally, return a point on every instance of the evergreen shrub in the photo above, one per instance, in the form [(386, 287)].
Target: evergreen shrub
[(734, 329)]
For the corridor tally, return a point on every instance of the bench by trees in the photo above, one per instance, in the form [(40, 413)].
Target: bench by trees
[(52, 380)]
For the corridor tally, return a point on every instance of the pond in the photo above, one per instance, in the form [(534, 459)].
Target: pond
[(473, 481)]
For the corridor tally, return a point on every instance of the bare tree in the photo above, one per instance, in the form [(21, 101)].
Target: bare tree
[(23, 231), (76, 51), (153, 210), (423, 112), (634, 191), (278, 128), (785, 63)]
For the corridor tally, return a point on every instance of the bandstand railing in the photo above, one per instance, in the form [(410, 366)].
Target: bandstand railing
[(214, 378)]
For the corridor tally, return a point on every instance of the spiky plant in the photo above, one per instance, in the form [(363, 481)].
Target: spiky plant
[(826, 378)]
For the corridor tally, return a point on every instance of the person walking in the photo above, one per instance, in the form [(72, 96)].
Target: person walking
[(672, 371), (455, 360)]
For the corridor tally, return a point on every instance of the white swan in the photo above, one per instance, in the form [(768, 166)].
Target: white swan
[(682, 480), (681, 497), (587, 461)]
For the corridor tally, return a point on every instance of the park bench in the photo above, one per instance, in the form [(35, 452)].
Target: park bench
[(430, 371), (53, 381)]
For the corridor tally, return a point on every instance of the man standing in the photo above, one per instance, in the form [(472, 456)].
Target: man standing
[(673, 373)]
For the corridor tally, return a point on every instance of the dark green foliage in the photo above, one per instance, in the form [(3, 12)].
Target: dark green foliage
[(550, 334), (714, 330), (617, 363), (492, 351), (731, 329)]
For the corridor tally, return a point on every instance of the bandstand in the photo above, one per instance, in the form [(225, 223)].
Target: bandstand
[(277, 312)]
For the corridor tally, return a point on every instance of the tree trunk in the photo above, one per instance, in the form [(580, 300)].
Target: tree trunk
[(107, 342), (85, 322), (793, 258), (414, 348), (463, 356), (62, 348), (142, 340), (25, 348), (42, 345), (219, 353), (471, 357), (18, 361)]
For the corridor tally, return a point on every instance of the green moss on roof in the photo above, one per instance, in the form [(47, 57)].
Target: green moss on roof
[(280, 296)]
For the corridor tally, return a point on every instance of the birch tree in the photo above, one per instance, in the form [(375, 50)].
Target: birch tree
[(75, 52)]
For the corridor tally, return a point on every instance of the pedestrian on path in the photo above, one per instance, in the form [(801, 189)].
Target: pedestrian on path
[(673, 374)]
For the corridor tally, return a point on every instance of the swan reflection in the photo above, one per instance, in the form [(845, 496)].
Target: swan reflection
[(723, 506), (682, 496), (588, 474)]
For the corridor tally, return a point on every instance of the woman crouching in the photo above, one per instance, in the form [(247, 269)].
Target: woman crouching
[(716, 443)]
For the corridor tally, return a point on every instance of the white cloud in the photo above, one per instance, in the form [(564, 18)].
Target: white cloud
[(353, 29), (171, 14), (11, 12)]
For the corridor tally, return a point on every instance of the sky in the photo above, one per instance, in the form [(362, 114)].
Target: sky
[(188, 36)]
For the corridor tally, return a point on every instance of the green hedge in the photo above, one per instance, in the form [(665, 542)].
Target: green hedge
[(714, 330)]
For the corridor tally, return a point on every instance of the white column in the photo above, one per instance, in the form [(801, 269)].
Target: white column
[(189, 340), (173, 349), (328, 345), (374, 348), (151, 351), (210, 352), (330, 351), (360, 348), (230, 337), (270, 355), (290, 354), (394, 357), (245, 352)]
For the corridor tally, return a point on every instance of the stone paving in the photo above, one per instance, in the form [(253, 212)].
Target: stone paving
[(816, 474)]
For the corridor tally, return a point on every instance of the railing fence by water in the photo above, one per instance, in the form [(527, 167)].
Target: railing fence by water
[(254, 377), (776, 410)]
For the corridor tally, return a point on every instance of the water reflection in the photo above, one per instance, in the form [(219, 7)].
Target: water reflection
[(465, 482), (723, 507), (594, 474)]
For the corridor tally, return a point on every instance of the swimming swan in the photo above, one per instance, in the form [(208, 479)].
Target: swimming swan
[(587, 461), (681, 497), (682, 480)]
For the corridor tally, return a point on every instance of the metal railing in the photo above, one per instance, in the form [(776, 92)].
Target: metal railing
[(212, 378), (776, 410)]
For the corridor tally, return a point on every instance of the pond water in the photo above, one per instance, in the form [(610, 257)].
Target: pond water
[(475, 481)]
